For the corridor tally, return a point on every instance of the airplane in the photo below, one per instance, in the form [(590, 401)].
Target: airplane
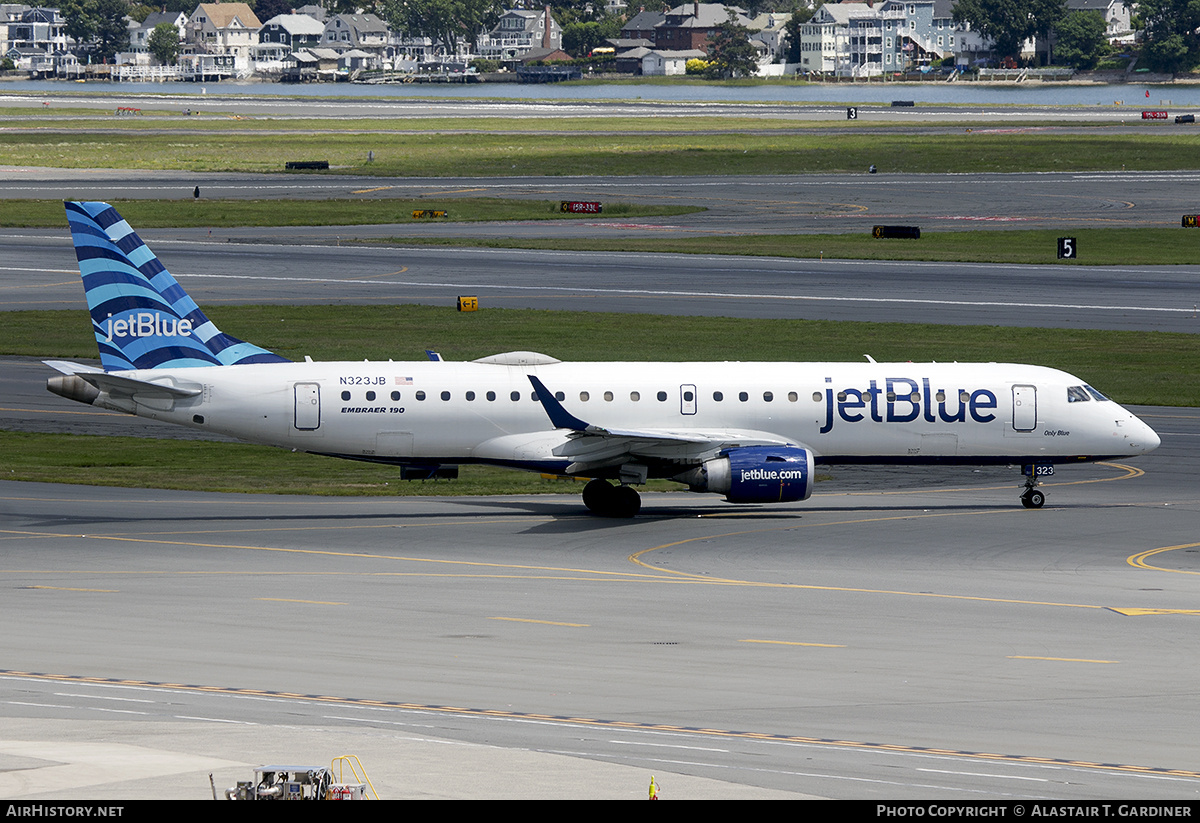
[(752, 432)]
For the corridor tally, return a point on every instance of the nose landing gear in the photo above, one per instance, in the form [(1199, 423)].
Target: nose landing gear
[(1031, 498)]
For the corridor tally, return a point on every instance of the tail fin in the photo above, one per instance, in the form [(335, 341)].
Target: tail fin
[(143, 319)]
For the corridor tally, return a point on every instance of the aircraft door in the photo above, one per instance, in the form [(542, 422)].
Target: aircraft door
[(1024, 399), (687, 399), (308, 406)]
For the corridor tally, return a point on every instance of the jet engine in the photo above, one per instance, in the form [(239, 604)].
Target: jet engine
[(756, 474)]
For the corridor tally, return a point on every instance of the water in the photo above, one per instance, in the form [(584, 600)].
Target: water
[(960, 93)]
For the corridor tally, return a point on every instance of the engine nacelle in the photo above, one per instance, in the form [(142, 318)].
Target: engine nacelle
[(756, 474)]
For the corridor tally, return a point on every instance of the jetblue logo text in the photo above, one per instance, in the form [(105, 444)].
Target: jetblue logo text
[(766, 474), (147, 324), (903, 400)]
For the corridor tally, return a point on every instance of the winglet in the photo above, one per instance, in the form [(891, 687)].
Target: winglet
[(560, 417), (434, 356)]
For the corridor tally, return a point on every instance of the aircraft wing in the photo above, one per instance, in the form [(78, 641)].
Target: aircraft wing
[(592, 447)]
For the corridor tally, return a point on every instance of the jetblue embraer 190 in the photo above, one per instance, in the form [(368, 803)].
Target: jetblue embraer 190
[(749, 431)]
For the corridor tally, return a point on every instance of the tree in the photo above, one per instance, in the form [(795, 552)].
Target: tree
[(1009, 23), (732, 54), (1081, 42), (444, 21), (1171, 42), (1045, 15), (164, 43), (265, 10), (112, 32), (99, 24), (79, 21), (578, 39)]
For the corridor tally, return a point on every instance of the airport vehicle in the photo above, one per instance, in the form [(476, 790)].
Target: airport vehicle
[(749, 431)]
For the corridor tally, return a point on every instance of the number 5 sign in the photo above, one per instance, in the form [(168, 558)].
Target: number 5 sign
[(1068, 249)]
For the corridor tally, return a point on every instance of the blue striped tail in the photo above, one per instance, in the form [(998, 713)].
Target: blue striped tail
[(142, 317)]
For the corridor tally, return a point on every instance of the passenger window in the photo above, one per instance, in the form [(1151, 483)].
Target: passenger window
[(445, 395), (470, 395), (395, 395), (768, 396), (370, 396), (662, 397), (583, 396), (490, 395), (743, 396), (635, 396), (608, 396), (515, 396), (420, 395), (718, 396)]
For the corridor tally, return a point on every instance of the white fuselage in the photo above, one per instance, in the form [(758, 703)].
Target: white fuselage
[(484, 412)]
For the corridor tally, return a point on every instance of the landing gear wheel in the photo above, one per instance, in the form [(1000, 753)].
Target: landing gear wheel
[(606, 500), (1033, 499), (627, 502), (596, 496)]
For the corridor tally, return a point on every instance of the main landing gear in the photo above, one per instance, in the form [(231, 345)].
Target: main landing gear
[(607, 500)]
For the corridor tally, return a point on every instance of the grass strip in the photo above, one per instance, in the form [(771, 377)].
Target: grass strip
[(438, 155), (189, 213)]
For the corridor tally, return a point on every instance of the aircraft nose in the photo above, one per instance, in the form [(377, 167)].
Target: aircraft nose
[(1145, 440)]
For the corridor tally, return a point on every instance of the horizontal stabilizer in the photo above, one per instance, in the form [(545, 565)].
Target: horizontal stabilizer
[(128, 386)]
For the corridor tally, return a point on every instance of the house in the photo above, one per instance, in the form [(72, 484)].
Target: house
[(292, 31), (225, 30), (663, 62), (862, 40), (694, 25), (769, 29), (643, 26), (541, 55), (1117, 14), (365, 32), (282, 35), (37, 29), (139, 35), (517, 32)]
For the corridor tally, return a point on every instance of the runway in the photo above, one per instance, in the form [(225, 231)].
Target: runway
[(901, 635)]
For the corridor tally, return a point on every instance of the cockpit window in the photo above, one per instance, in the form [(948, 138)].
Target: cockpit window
[(1077, 394), (1095, 393)]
